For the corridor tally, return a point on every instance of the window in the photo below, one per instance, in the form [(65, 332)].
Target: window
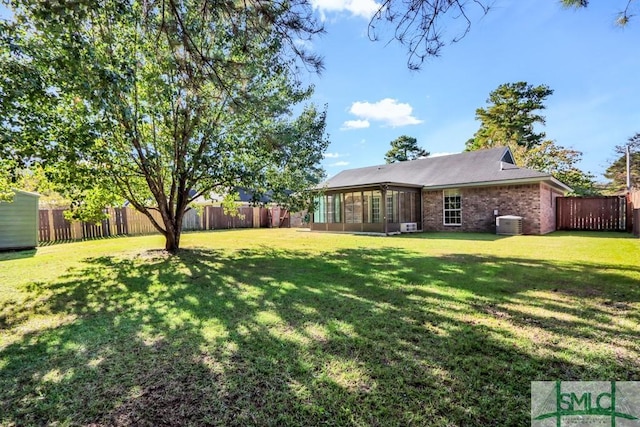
[(376, 197), (392, 206), (328, 209), (353, 208), (335, 211), (319, 216), (452, 207)]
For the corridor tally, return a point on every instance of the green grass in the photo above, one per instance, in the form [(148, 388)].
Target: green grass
[(286, 327)]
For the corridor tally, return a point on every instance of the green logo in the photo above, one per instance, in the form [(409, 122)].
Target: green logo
[(585, 403)]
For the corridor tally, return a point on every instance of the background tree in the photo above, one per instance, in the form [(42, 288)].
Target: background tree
[(420, 25), (562, 163), (6, 193), (510, 121), (157, 102), (617, 171), (510, 118), (404, 148)]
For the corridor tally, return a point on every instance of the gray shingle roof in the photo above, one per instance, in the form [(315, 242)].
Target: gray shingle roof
[(473, 167)]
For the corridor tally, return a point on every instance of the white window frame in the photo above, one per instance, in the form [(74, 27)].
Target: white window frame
[(445, 195)]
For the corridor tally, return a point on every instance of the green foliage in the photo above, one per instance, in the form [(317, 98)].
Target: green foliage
[(404, 148), (6, 193), (230, 204), (617, 171), (157, 102), (295, 151), (89, 205), (510, 121), (562, 163), (511, 116)]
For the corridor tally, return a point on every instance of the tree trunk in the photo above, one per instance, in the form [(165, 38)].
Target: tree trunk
[(173, 232), (172, 240)]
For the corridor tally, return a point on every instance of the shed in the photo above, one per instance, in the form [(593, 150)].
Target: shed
[(19, 221)]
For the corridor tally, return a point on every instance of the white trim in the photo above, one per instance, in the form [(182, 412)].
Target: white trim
[(457, 192), (548, 179)]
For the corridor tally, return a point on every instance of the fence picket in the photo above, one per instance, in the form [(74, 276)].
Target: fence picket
[(592, 213)]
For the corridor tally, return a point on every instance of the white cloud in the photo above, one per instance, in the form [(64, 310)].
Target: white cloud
[(340, 163), (332, 155), (355, 124), (362, 8), (388, 111)]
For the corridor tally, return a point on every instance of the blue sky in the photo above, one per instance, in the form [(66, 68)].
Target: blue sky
[(592, 65)]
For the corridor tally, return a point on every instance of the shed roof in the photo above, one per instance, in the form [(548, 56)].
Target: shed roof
[(482, 167)]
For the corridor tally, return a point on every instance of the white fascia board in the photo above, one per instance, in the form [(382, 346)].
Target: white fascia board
[(549, 179)]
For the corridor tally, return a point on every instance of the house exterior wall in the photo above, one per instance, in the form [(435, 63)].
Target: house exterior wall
[(530, 201), (19, 222), (548, 203)]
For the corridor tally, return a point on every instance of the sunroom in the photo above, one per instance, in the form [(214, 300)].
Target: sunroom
[(362, 210)]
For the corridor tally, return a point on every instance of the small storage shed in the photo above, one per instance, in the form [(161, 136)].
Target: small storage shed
[(19, 222)]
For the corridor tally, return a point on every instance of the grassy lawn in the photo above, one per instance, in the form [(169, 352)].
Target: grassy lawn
[(286, 327)]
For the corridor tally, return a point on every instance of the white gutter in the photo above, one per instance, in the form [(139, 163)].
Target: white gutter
[(551, 179)]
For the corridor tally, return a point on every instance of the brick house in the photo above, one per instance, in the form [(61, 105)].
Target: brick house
[(458, 192)]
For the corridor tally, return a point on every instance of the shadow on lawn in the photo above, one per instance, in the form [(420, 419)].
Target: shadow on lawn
[(353, 337)]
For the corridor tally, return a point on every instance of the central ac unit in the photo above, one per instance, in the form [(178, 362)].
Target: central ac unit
[(509, 224), (408, 227)]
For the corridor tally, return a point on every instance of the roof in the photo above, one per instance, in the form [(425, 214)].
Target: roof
[(472, 168), (28, 193)]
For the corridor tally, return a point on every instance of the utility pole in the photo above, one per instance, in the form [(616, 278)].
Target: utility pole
[(628, 169)]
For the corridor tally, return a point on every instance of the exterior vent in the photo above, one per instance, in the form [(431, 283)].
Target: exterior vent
[(408, 227), (509, 224)]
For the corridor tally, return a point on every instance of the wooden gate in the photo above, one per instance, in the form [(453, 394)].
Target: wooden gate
[(593, 213)]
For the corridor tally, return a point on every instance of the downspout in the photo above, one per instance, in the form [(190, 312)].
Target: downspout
[(422, 209)]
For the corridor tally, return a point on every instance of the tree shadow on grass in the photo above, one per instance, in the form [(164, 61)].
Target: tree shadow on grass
[(270, 337)]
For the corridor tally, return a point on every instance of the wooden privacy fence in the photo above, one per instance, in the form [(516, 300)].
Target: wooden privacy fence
[(634, 198), (54, 227), (594, 213)]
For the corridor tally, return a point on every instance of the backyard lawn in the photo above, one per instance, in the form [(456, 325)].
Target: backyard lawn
[(288, 327)]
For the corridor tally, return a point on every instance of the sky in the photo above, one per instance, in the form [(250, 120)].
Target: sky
[(372, 97), (592, 65)]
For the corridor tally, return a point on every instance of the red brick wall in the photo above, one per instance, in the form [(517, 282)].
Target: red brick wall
[(548, 196), (478, 204)]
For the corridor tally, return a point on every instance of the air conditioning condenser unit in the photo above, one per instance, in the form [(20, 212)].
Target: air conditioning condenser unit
[(509, 225), (408, 227)]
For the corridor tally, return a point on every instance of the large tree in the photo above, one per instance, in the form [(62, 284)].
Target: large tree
[(404, 148), (510, 120), (511, 117), (617, 171), (424, 27), (159, 101)]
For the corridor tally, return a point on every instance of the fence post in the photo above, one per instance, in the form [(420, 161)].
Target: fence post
[(256, 217), (52, 228), (76, 230)]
